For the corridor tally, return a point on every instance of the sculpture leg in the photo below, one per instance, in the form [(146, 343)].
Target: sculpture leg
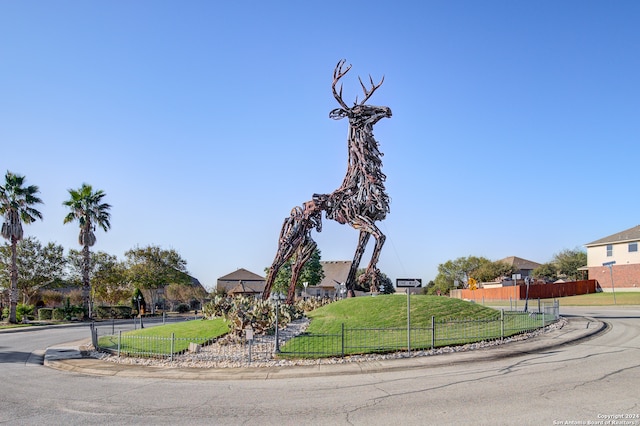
[(380, 239), (302, 256), (273, 272), (372, 273), (288, 242), (351, 278)]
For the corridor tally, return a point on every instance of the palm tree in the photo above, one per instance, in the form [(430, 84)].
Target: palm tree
[(16, 203), (89, 210)]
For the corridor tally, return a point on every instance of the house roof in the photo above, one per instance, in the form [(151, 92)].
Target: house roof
[(196, 283), (631, 234), (520, 263), (247, 288), (334, 270), (241, 275)]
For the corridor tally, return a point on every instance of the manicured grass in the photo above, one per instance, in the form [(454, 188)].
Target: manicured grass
[(7, 325), (379, 324), (390, 311), (160, 340), (593, 299)]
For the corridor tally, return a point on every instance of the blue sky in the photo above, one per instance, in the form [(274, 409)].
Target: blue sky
[(514, 128)]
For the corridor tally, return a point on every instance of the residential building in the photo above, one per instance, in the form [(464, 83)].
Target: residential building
[(242, 282), (332, 285), (614, 261), (523, 267), (246, 283)]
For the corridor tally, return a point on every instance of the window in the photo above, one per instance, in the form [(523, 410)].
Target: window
[(633, 246), (609, 250)]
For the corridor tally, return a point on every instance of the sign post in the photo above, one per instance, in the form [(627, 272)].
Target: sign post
[(409, 283)]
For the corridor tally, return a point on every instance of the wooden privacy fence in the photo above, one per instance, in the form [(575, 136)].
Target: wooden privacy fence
[(536, 291)]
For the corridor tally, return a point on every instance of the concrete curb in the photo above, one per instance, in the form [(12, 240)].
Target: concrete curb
[(69, 358)]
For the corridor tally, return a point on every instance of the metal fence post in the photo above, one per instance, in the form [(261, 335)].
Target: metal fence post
[(119, 341), (501, 324), (342, 340), (433, 331), (173, 340)]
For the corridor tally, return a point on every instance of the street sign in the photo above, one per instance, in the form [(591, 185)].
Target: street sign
[(408, 282), (613, 262)]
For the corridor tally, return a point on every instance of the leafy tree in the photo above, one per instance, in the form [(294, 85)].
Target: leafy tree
[(457, 271), (90, 211), (311, 273), (138, 302), (492, 270), (568, 261), (38, 266), (110, 282), (152, 267), (108, 276), (428, 288), (547, 272), (16, 205), (180, 293), (564, 264), (385, 283)]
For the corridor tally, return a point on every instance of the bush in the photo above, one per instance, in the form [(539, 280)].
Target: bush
[(22, 311), (183, 308), (241, 312), (45, 314), (58, 314), (51, 297), (120, 312), (68, 312)]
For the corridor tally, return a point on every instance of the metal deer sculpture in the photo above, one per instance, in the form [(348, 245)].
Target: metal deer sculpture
[(360, 201)]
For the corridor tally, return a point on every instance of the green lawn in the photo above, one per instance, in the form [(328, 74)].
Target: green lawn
[(379, 324), (165, 339), (390, 311), (593, 299), (372, 324)]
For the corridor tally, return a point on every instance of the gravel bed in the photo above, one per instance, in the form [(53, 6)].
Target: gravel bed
[(236, 355)]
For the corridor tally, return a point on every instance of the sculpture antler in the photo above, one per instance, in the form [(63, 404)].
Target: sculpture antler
[(368, 93), (338, 73)]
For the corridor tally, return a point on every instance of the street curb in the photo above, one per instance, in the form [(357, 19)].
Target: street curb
[(43, 327), (576, 330)]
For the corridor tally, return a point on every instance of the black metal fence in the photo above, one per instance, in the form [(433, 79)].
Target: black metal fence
[(343, 342)]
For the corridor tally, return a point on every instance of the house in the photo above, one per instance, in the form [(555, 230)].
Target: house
[(523, 267), (246, 283), (614, 261), (241, 282), (332, 285)]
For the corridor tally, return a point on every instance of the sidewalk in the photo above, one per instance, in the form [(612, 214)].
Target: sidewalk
[(68, 357)]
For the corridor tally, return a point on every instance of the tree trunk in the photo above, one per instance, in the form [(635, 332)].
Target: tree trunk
[(86, 285), (13, 292)]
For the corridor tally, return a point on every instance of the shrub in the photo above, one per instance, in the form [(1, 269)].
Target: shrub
[(242, 312), (183, 308), (67, 312), (51, 297), (120, 311), (22, 311), (45, 314), (58, 314)]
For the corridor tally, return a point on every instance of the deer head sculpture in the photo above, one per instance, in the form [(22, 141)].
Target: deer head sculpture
[(359, 114)]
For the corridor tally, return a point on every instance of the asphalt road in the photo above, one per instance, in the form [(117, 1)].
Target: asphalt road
[(590, 381)]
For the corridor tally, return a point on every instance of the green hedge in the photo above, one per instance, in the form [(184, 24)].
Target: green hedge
[(103, 312), (45, 314)]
